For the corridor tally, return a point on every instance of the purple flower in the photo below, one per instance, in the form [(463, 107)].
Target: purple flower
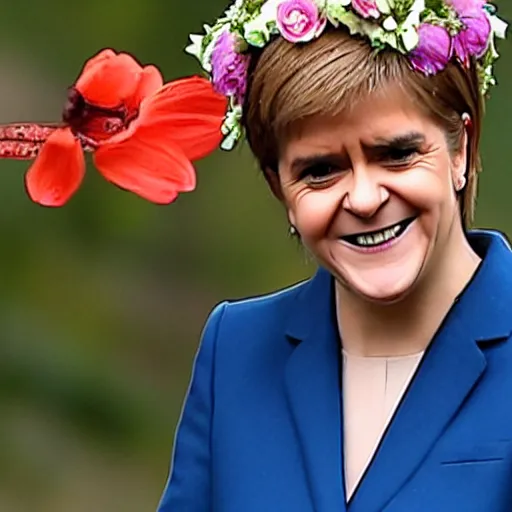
[(473, 39), (229, 68), (299, 20), (434, 49), (366, 8)]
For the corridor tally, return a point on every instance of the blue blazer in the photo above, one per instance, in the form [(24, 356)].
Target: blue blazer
[(261, 428)]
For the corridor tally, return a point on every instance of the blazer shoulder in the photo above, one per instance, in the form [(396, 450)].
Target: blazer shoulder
[(263, 304), (256, 315)]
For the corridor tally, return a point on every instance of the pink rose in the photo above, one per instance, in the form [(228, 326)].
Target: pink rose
[(366, 8), (299, 20)]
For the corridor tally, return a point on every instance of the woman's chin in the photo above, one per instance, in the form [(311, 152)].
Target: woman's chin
[(383, 286), (383, 295), (386, 277)]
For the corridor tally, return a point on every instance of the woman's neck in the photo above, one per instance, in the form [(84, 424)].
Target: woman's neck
[(408, 326)]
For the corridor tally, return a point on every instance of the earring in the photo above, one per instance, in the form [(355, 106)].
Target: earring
[(466, 119), (460, 183), (292, 230)]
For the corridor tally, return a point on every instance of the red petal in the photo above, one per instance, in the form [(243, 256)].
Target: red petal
[(110, 81), (191, 95), (196, 136), (58, 171), (100, 56), (143, 165), (150, 81), (188, 113)]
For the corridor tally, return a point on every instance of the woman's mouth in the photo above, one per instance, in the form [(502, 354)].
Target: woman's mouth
[(379, 238)]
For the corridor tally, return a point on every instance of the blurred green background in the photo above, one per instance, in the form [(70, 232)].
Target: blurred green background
[(103, 301)]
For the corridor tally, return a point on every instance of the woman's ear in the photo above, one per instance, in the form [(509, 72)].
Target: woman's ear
[(291, 219), (460, 164), (274, 183)]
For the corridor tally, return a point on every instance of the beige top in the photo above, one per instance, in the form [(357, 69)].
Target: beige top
[(372, 390)]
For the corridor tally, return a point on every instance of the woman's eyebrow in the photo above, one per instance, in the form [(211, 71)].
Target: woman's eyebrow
[(406, 140)]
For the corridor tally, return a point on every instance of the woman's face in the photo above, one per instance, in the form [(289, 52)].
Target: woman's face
[(372, 194)]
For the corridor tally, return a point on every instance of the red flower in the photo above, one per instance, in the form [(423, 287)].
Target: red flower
[(143, 134)]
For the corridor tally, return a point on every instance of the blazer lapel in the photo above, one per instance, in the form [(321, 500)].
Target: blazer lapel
[(312, 383), (450, 370)]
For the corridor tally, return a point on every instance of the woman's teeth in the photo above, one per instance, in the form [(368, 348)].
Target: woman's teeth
[(379, 237), (376, 238)]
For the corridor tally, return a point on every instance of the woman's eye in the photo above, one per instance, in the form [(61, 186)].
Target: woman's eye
[(400, 156), (318, 173)]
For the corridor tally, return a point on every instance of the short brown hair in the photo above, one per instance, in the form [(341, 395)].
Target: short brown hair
[(291, 82)]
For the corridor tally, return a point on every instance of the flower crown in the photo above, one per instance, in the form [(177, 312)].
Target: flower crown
[(429, 32)]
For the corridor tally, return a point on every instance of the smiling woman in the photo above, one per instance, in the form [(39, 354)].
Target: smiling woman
[(340, 71), (374, 385), (348, 180)]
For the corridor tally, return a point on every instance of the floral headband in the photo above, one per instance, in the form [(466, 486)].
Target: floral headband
[(429, 32), (143, 133)]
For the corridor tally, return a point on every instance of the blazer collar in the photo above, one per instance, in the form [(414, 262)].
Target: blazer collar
[(449, 371), (312, 378), (484, 305), (492, 281)]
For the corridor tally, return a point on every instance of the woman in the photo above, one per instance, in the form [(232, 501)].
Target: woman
[(378, 384)]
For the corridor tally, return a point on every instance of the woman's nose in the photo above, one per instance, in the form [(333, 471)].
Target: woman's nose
[(365, 195)]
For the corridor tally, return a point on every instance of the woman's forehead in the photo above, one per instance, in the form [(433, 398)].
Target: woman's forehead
[(377, 117)]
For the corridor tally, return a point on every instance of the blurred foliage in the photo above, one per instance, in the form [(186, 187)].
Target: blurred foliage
[(103, 301)]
